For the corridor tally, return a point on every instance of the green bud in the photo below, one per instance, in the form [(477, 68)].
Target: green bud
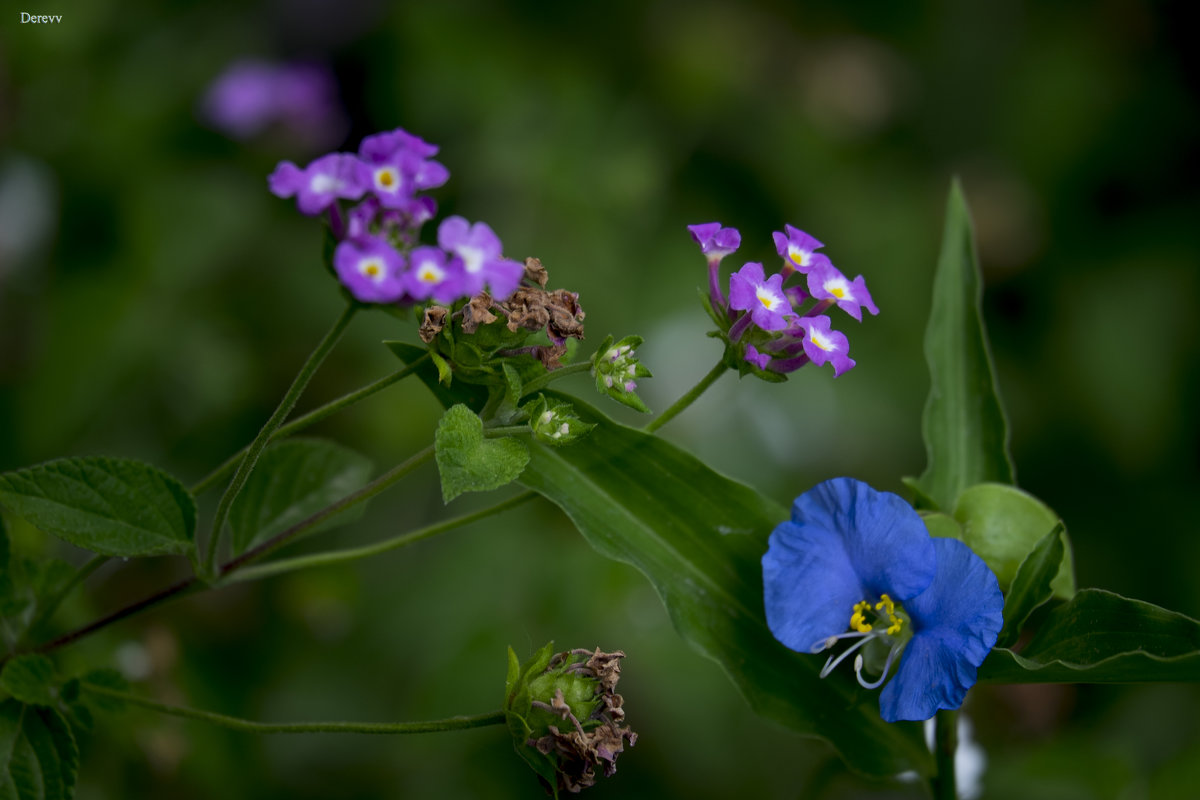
[(553, 422), (616, 370), (565, 716)]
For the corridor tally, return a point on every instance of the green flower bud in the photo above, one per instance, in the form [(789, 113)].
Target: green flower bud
[(553, 423), (565, 716), (616, 371)]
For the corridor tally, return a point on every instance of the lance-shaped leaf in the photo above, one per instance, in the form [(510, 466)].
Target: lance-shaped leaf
[(38, 755), (1101, 637), (111, 506), (699, 537), (966, 433), (294, 479)]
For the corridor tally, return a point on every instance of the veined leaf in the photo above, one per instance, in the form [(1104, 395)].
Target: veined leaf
[(38, 755), (468, 462), (699, 537), (1101, 637), (111, 506), (30, 679), (966, 433), (294, 479)]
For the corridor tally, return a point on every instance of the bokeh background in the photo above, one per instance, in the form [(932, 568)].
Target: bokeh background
[(155, 301)]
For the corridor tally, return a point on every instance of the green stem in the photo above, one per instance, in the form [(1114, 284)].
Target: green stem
[(689, 398), (237, 724), (192, 584), (246, 466), (312, 417), (46, 611), (355, 553), (945, 743), (542, 381), (506, 430), (364, 494)]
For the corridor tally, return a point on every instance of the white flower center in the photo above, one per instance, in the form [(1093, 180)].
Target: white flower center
[(430, 272), (821, 341), (373, 269), (769, 299), (799, 257), (472, 258), (838, 287), (387, 179), (324, 183)]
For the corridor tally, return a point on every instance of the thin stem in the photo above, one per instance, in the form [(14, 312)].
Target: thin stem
[(689, 398), (364, 494), (193, 583), (312, 417), (237, 724), (46, 611), (542, 381), (945, 742), (355, 553), (506, 430), (246, 466)]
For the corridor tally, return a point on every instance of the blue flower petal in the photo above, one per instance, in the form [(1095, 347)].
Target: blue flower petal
[(887, 543), (809, 586), (955, 623)]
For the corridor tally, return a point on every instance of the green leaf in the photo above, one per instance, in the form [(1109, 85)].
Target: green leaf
[(38, 755), (445, 374), (30, 678), (1101, 637), (699, 537), (942, 525), (1003, 524), (473, 395), (296, 478), (1031, 588), (111, 506), (467, 462), (966, 433)]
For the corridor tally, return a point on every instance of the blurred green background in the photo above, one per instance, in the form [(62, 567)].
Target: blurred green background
[(155, 301)]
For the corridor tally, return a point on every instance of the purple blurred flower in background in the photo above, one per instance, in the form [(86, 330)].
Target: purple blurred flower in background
[(252, 96)]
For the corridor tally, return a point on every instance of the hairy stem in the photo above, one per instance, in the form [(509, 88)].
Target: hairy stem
[(689, 398), (300, 423), (542, 381), (51, 605), (246, 466), (384, 481), (945, 742), (193, 583), (237, 724), (355, 553)]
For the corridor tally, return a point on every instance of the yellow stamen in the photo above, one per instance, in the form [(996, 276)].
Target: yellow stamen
[(797, 259), (857, 621), (838, 292), (386, 179)]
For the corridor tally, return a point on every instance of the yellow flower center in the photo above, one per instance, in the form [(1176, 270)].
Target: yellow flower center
[(858, 619)]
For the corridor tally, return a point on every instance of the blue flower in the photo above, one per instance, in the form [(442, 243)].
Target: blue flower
[(857, 564)]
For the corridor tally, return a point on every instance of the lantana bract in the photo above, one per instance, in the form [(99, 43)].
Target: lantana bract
[(857, 564)]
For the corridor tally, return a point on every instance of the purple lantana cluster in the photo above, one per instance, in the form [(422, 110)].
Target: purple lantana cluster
[(378, 257), (772, 327)]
